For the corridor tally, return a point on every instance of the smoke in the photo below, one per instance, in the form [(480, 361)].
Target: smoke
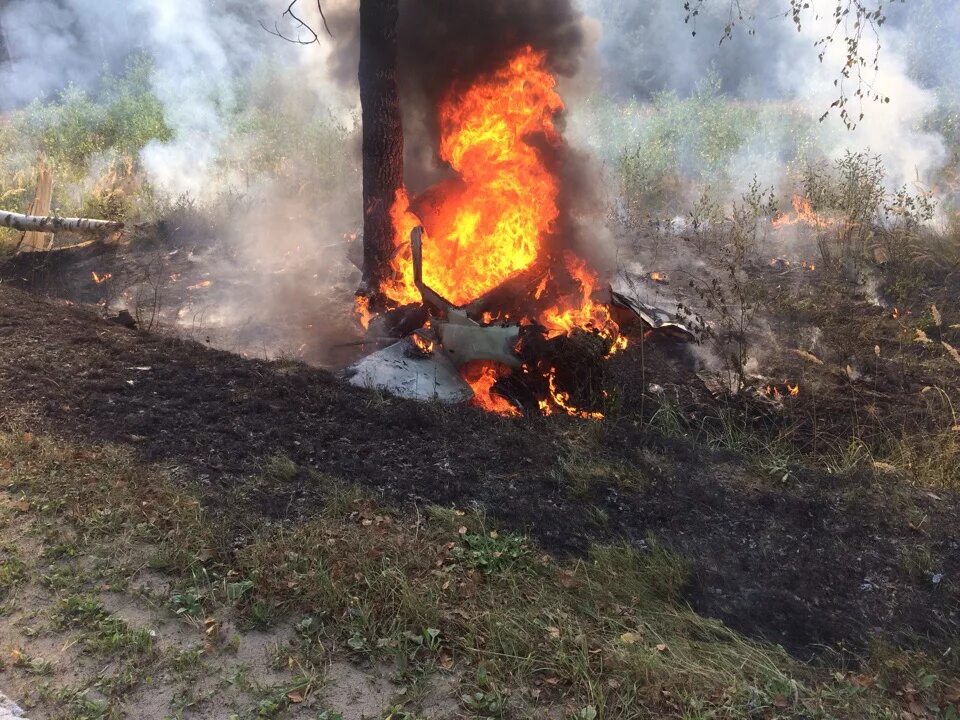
[(648, 49)]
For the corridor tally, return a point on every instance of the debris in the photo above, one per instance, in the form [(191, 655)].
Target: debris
[(624, 294), (9, 710), (404, 370), (464, 341)]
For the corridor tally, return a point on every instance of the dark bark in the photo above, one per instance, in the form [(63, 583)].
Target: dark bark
[(4, 50), (382, 137)]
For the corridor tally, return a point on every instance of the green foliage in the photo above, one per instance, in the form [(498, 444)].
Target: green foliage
[(678, 143), (491, 552), (121, 118)]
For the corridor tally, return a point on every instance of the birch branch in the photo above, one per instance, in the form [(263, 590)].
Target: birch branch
[(49, 224)]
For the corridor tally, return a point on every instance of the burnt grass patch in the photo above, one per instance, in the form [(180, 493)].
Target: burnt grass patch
[(811, 562)]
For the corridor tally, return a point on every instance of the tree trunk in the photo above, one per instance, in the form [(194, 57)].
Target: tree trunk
[(382, 138), (4, 50)]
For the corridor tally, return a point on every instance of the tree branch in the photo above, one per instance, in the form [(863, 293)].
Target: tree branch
[(301, 25), (851, 19)]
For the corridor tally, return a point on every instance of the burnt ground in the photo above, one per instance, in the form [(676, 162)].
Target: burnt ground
[(810, 560)]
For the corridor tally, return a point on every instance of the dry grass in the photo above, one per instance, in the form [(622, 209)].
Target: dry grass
[(604, 636)]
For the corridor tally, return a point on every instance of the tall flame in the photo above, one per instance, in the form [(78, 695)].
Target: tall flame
[(490, 224)]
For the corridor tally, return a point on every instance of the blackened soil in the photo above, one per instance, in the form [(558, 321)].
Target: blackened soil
[(806, 562)]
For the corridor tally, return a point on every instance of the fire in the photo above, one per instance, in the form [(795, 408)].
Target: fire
[(362, 308), (482, 376), (659, 277), (489, 225), (426, 346), (804, 214), (492, 222), (778, 392), (562, 400), (580, 311), (100, 279), (202, 285)]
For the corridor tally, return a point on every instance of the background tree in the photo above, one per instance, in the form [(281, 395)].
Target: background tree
[(855, 23)]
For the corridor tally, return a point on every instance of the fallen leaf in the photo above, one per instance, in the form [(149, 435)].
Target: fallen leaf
[(629, 638), (808, 356), (954, 353), (296, 697), (22, 506), (921, 337), (462, 530), (662, 647)]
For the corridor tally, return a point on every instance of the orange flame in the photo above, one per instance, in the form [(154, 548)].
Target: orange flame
[(426, 346), (482, 376), (491, 222), (804, 214), (100, 279), (580, 311), (489, 225), (562, 401), (362, 308)]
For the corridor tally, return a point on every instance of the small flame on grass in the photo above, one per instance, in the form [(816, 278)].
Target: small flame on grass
[(100, 279), (659, 277), (803, 214), (202, 285), (779, 392)]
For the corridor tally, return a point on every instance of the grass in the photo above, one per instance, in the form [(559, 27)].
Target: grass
[(603, 636)]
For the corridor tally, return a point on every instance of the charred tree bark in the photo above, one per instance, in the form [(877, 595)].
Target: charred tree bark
[(382, 138)]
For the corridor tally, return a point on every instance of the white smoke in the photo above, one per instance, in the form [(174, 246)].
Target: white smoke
[(648, 48)]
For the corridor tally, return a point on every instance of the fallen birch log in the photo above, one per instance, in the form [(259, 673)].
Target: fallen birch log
[(37, 223)]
